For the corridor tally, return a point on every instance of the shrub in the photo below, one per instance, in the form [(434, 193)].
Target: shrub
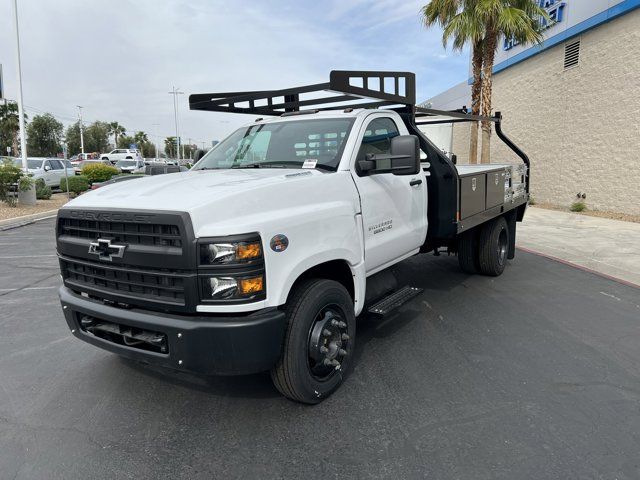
[(578, 206), (98, 172), (42, 191), (25, 182), (532, 201), (10, 176), (77, 184)]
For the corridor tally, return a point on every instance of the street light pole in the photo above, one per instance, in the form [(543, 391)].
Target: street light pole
[(175, 94), (81, 133), (23, 143)]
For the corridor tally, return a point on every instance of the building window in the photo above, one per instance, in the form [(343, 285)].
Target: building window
[(571, 54)]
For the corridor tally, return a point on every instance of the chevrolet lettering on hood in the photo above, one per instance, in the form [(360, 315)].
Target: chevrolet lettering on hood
[(112, 216)]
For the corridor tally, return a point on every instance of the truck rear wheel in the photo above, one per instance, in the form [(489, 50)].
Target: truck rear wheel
[(468, 257), (319, 342), (494, 247)]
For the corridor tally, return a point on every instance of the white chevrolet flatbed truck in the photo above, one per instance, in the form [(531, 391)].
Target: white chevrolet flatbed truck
[(264, 253)]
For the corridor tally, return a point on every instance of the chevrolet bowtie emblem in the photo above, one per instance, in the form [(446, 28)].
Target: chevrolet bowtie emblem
[(106, 250)]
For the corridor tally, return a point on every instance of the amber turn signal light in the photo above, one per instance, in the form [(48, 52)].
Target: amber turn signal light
[(247, 251), (248, 286)]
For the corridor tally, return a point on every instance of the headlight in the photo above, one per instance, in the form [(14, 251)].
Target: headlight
[(232, 288), (221, 253), (231, 269)]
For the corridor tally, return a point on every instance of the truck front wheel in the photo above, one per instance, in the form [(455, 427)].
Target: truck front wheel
[(494, 247), (319, 341)]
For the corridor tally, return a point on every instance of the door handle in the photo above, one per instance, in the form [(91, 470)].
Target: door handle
[(415, 182)]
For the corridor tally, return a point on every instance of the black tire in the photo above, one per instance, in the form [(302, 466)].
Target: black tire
[(468, 251), (316, 304), (494, 247)]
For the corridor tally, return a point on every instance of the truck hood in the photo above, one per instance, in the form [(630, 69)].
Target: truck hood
[(223, 201)]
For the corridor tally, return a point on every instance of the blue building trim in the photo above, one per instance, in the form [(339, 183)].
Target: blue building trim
[(603, 17)]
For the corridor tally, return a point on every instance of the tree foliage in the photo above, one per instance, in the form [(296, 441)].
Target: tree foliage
[(9, 128), (116, 130), (44, 136), (72, 137), (480, 23), (96, 138), (170, 147)]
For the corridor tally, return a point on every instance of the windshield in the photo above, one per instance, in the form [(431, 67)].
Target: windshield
[(31, 164), (126, 163), (319, 143)]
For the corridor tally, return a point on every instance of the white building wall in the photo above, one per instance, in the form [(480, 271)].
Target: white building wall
[(581, 126)]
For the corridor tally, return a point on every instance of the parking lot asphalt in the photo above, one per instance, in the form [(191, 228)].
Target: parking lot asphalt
[(534, 374)]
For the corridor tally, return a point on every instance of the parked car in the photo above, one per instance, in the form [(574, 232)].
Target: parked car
[(51, 170), (121, 154), (78, 168), (129, 166)]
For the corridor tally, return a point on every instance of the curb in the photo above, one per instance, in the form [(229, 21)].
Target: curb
[(16, 222), (581, 267)]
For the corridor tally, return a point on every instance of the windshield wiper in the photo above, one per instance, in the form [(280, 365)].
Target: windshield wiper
[(261, 165)]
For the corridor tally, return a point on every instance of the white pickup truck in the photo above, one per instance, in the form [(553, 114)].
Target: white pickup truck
[(121, 154), (264, 253)]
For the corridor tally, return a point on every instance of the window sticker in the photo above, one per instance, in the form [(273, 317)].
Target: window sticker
[(310, 163)]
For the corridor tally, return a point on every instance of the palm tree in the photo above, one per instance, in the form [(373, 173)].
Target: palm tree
[(116, 130), (169, 146), (458, 20), (481, 23), (514, 19), (140, 138), (10, 127)]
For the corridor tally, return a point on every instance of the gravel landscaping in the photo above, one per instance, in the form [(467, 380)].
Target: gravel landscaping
[(54, 203)]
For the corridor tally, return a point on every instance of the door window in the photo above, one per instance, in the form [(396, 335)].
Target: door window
[(377, 139), (56, 164)]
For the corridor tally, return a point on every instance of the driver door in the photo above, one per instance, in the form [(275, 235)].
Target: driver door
[(393, 206)]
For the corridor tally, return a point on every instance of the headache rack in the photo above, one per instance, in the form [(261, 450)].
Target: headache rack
[(350, 89), (345, 89)]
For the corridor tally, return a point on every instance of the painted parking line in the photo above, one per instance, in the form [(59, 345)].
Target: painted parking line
[(26, 256), (28, 288)]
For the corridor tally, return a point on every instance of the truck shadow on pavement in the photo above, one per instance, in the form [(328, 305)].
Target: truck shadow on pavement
[(244, 386), (443, 275)]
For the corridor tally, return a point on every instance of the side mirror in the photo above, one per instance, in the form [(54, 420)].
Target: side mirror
[(404, 158), (199, 154), (47, 168)]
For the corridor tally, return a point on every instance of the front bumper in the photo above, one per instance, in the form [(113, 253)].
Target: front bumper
[(229, 345)]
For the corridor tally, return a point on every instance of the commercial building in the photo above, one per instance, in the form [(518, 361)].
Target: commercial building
[(572, 103)]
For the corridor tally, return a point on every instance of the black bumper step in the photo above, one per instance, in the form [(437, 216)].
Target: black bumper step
[(395, 300)]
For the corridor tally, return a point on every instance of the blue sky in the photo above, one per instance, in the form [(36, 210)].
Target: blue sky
[(119, 58)]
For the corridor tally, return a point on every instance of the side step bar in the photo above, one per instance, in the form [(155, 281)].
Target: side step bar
[(393, 301)]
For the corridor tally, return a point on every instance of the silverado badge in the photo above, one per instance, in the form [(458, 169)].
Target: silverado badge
[(106, 250)]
